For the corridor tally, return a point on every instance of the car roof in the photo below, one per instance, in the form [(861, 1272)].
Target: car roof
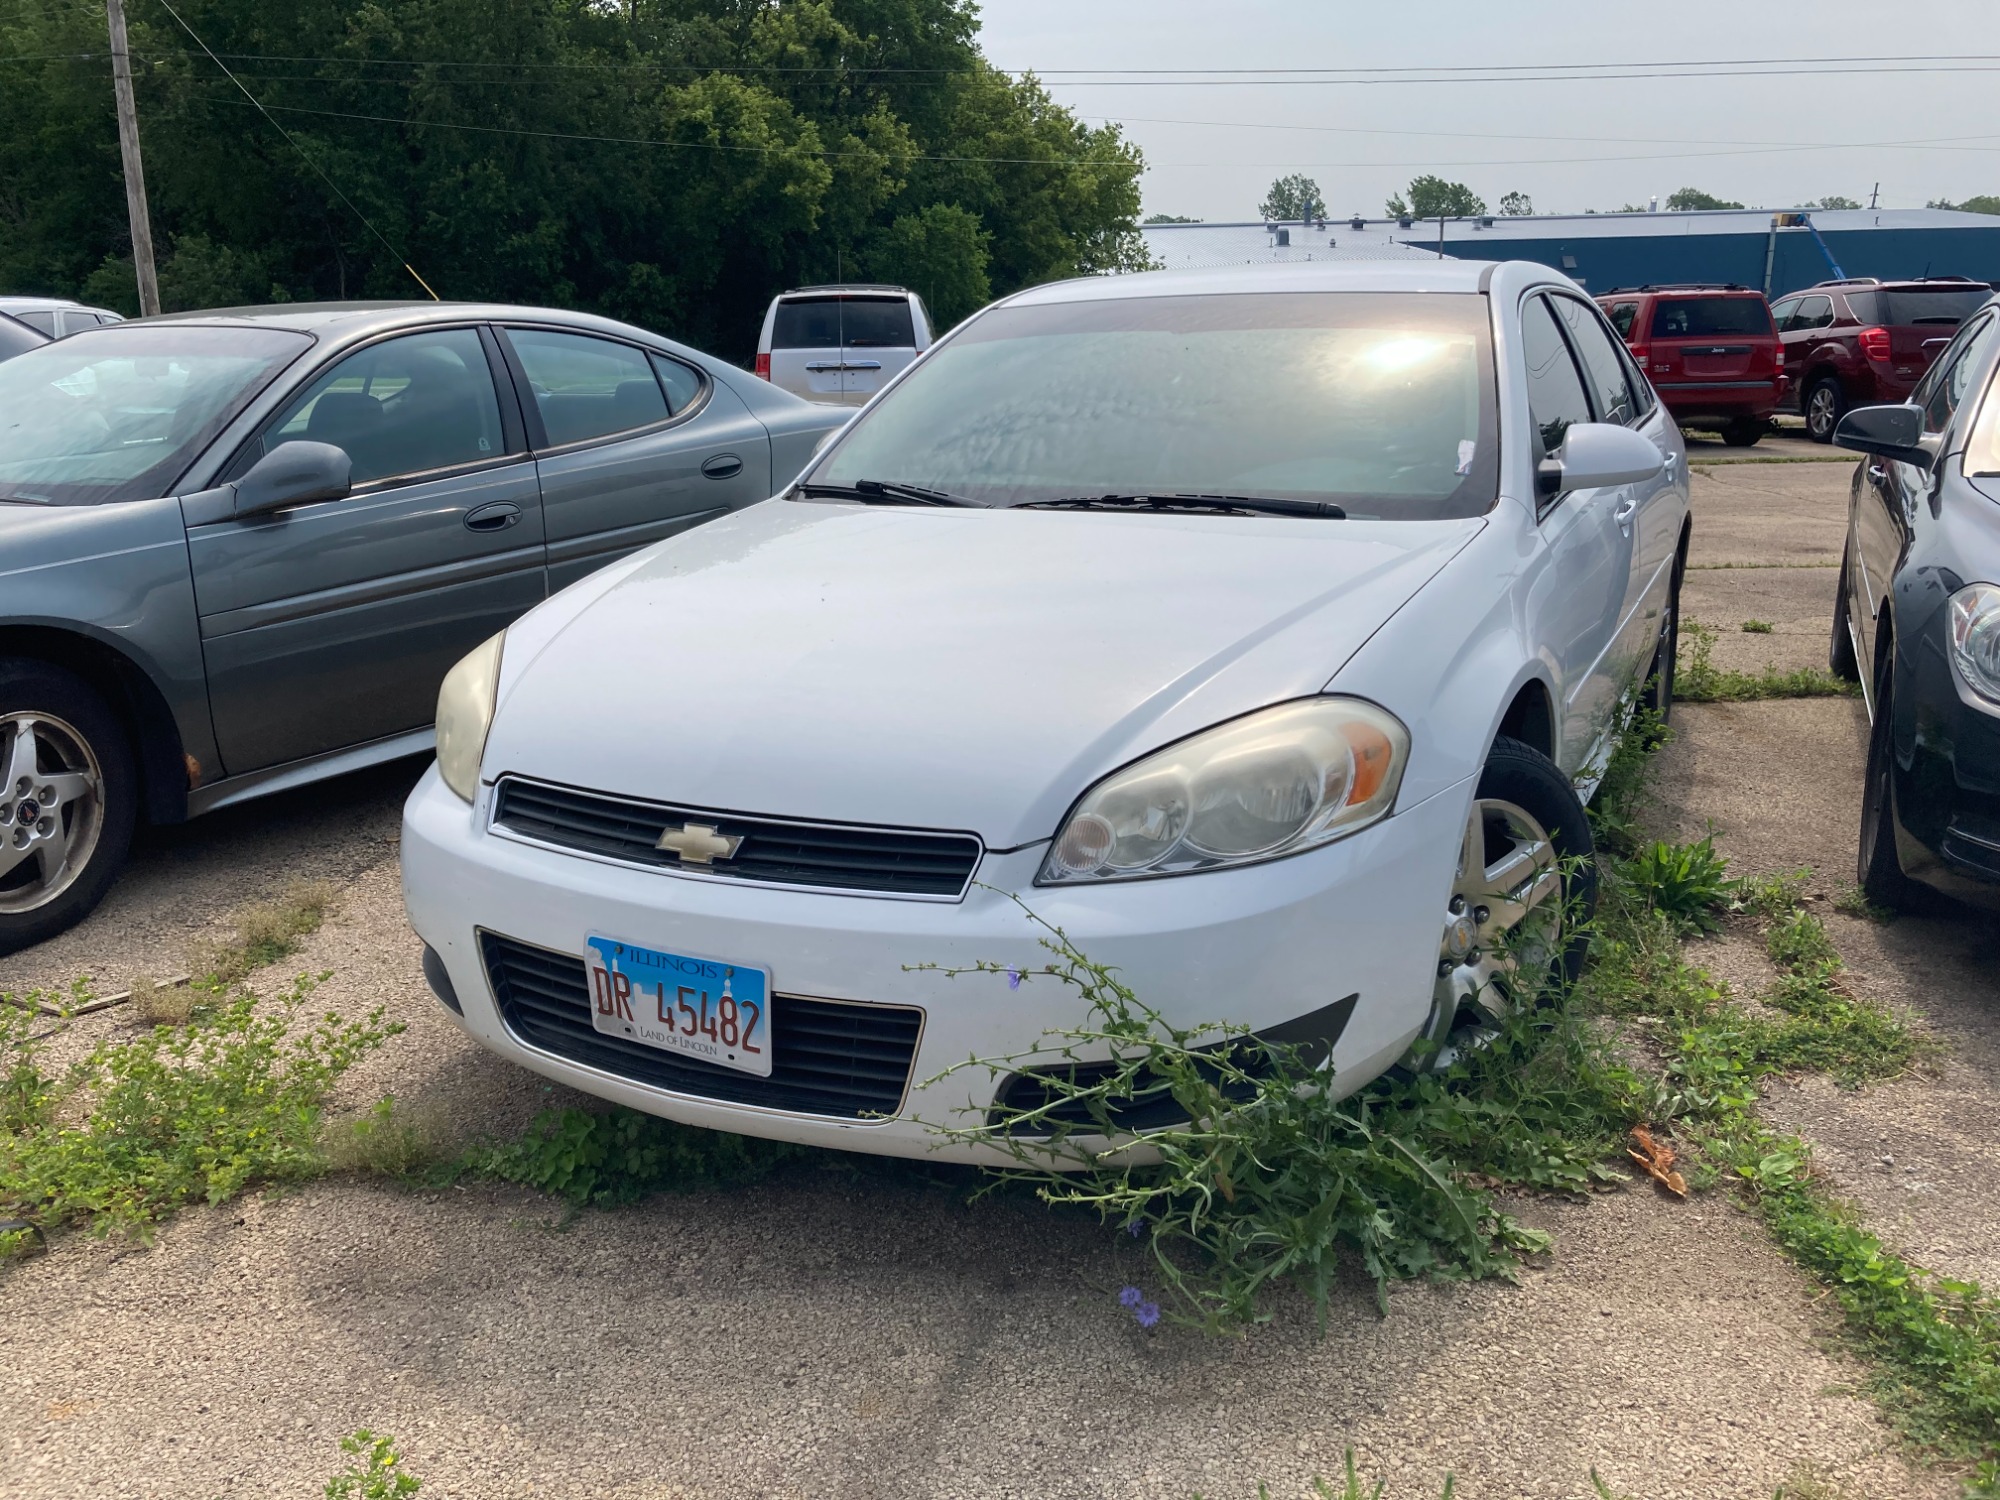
[(342, 321), (1682, 289), (1443, 275), (872, 288), (37, 304)]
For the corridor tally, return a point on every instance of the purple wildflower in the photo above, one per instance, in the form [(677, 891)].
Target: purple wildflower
[(1013, 979), (1148, 1313), (1135, 1227), (1131, 1297)]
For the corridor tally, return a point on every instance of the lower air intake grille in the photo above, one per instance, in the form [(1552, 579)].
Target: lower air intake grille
[(831, 856), (828, 1057)]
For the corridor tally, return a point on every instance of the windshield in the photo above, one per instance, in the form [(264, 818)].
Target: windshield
[(116, 413), (1379, 402)]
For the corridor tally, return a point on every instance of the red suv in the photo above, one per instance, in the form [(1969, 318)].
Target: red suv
[(1862, 341), (1712, 352)]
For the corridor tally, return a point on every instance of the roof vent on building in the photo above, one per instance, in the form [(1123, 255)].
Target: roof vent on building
[(1486, 221), (1357, 222), (1284, 236), (1331, 242), (1404, 221)]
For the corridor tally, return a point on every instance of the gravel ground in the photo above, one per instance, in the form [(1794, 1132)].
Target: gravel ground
[(859, 1330)]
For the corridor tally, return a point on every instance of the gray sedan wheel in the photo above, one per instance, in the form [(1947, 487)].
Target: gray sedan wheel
[(67, 801)]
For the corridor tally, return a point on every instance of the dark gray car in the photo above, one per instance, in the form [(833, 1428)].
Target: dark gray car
[(240, 550)]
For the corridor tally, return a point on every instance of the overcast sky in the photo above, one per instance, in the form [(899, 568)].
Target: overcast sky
[(1211, 150)]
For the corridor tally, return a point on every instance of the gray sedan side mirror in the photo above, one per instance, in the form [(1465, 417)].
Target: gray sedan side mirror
[(1595, 455), (294, 473), (1895, 432)]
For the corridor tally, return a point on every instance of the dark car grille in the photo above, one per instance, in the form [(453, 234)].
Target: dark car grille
[(894, 861), (827, 1057)]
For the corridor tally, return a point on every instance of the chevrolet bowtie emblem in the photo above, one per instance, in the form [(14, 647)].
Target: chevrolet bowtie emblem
[(699, 843)]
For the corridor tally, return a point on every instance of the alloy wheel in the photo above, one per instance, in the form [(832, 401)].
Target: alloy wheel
[(1822, 410), (51, 809), (1502, 925)]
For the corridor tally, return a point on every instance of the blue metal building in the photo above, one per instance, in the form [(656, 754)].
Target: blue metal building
[(1752, 247)]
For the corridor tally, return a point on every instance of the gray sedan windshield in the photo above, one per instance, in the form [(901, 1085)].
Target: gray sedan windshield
[(1380, 403), (117, 413)]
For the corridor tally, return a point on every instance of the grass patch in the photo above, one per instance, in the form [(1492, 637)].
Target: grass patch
[(375, 1471), (265, 933), (176, 1116), (1698, 680), (619, 1156), (1757, 627)]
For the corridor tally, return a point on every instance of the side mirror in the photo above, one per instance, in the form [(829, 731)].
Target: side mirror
[(294, 473), (1595, 455), (1895, 432)]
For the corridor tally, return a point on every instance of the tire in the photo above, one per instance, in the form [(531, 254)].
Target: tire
[(1878, 871), (1530, 826), (1840, 647), (58, 735), (1743, 434), (1658, 695), (1823, 405)]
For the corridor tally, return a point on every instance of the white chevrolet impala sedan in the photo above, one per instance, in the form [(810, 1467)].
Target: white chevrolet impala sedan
[(1263, 630)]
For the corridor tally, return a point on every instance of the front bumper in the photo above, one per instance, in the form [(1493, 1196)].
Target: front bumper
[(1261, 945), (1947, 779)]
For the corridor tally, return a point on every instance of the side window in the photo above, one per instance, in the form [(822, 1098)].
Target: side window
[(43, 321), (1610, 390), (1814, 312), (404, 406), (1622, 314), (1783, 310), (1555, 390), (681, 382), (1945, 386), (587, 387)]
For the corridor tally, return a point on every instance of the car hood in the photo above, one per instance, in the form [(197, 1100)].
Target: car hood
[(959, 669)]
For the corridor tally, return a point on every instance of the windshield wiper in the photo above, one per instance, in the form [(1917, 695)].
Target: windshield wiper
[(1235, 505), (885, 492)]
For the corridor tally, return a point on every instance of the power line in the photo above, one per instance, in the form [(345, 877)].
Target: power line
[(302, 152)]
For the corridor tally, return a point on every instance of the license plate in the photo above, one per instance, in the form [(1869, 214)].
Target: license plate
[(702, 1008)]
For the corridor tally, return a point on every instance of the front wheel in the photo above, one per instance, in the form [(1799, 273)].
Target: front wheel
[(1823, 405), (1524, 886), (1743, 434), (68, 799), (1878, 871)]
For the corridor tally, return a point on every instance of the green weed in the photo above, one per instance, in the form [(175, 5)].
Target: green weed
[(621, 1155), (1688, 883), (1756, 627), (265, 933), (143, 1126), (375, 1474), (388, 1140), (1698, 680)]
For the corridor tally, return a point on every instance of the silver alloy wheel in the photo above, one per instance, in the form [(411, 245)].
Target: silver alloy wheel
[(51, 809), (1502, 924), (1822, 408)]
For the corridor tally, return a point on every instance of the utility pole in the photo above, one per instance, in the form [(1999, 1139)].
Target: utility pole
[(135, 171), (1874, 193)]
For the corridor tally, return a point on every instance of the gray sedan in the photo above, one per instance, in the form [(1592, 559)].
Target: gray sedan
[(239, 551)]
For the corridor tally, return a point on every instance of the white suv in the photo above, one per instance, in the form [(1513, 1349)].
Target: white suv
[(841, 344)]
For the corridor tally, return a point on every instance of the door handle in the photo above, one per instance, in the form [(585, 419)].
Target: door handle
[(1627, 508), (824, 366), (497, 516), (1671, 462), (722, 466), (862, 364), (1876, 473)]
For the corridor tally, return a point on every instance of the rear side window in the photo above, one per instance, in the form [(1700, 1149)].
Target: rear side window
[(877, 323), (1710, 317), (1555, 390), (681, 383), (1609, 389), (587, 387), (44, 322), (1813, 312), (1622, 314)]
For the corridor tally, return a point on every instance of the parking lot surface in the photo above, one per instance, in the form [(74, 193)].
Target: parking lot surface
[(859, 1330)]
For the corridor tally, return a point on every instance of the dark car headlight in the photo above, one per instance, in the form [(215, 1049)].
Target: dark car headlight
[(1974, 622)]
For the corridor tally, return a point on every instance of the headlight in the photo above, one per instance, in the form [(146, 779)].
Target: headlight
[(1975, 638), (465, 713), (1266, 785)]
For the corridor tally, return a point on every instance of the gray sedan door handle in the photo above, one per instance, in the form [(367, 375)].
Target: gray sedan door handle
[(722, 466), (495, 517), (1623, 515)]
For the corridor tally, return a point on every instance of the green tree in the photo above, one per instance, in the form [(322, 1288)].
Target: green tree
[(1681, 200), (1293, 197), (671, 162), (1981, 203), (1169, 219), (1517, 205), (1432, 197), (1834, 201)]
